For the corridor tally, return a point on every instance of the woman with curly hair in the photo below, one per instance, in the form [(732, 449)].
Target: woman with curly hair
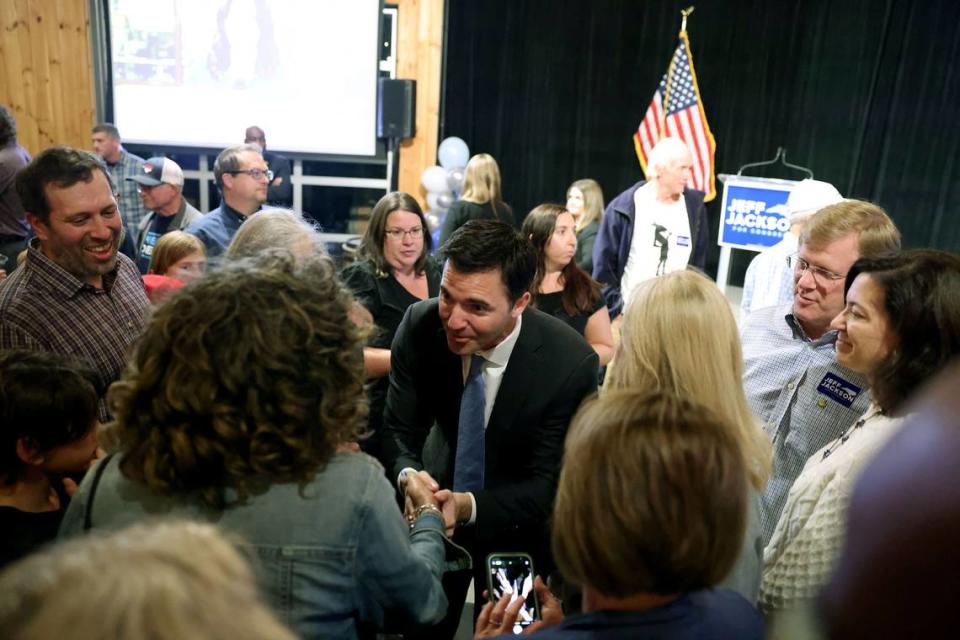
[(235, 409)]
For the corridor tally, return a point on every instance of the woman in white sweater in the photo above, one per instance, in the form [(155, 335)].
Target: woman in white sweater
[(900, 326)]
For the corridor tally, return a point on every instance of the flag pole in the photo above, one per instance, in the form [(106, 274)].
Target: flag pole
[(666, 92), (684, 13)]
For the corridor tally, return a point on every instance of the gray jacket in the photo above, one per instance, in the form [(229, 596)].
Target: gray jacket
[(182, 219)]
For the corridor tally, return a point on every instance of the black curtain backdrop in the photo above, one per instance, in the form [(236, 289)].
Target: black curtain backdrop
[(866, 93)]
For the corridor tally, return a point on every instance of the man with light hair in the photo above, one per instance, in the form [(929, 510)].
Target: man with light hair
[(656, 226), (769, 281), (161, 188), (793, 382), (242, 176)]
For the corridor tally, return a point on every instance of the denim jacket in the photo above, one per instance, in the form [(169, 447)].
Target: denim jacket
[(332, 556)]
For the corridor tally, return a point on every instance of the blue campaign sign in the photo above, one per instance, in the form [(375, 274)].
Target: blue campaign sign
[(755, 212)]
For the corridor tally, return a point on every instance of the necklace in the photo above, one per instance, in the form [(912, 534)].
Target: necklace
[(849, 432)]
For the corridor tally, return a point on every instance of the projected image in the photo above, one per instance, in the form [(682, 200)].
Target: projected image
[(148, 52), (305, 70)]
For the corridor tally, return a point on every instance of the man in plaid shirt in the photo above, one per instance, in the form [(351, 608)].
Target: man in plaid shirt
[(121, 164), (75, 293)]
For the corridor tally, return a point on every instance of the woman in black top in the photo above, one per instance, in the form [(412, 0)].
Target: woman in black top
[(480, 198), (585, 202), (393, 270), (561, 288)]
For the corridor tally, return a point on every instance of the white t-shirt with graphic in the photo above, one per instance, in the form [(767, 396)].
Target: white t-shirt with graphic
[(661, 240)]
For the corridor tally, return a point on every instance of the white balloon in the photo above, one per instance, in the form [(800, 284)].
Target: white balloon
[(434, 179), (453, 152), (433, 221)]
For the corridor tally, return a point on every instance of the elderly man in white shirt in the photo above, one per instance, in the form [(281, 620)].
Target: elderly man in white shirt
[(769, 281)]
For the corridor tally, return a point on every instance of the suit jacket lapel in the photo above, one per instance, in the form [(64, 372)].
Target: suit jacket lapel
[(516, 379)]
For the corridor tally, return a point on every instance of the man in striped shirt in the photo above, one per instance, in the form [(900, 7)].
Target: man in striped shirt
[(74, 294)]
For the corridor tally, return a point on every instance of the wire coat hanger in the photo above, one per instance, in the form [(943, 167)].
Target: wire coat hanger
[(781, 157)]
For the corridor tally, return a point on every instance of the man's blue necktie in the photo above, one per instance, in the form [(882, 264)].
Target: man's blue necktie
[(468, 469)]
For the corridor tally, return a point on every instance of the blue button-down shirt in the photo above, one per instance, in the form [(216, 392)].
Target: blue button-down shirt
[(804, 398), (217, 228)]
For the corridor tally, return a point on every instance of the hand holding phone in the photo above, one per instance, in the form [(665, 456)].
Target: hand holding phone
[(510, 576), (498, 619)]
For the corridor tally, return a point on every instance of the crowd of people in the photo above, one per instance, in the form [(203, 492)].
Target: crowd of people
[(273, 445)]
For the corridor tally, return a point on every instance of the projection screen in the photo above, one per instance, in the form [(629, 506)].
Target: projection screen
[(196, 73)]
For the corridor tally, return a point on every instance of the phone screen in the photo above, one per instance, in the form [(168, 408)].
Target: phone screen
[(512, 575)]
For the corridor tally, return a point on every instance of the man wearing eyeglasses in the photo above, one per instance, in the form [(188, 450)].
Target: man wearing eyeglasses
[(791, 377), (769, 281), (161, 188), (242, 176)]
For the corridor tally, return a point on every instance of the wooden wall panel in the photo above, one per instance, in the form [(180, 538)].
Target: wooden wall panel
[(46, 71), (420, 57)]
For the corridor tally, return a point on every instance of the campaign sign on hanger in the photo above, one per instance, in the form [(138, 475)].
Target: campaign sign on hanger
[(755, 214)]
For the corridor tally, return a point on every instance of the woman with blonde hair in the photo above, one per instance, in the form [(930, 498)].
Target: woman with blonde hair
[(679, 336), (163, 580), (480, 199), (585, 202)]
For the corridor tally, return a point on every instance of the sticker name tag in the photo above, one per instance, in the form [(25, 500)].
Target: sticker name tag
[(683, 241), (838, 389)]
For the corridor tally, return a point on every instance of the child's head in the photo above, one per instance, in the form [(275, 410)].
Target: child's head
[(48, 411), (178, 255)]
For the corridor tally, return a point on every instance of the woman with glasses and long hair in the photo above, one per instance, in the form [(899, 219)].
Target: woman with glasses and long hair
[(393, 270)]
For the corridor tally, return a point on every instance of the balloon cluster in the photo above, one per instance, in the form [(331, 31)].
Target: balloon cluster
[(444, 182)]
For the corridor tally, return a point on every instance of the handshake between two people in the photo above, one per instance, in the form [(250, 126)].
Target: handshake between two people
[(421, 492)]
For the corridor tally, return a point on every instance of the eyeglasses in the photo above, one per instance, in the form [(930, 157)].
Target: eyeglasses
[(256, 174), (799, 265), (397, 234)]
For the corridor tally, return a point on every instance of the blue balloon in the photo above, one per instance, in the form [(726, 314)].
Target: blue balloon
[(453, 152)]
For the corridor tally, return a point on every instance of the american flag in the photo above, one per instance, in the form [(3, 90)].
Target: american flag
[(684, 119)]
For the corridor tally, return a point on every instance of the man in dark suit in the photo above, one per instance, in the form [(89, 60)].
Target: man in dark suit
[(501, 381)]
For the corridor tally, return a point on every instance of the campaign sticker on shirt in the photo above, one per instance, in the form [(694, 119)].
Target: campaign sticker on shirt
[(838, 389), (683, 241)]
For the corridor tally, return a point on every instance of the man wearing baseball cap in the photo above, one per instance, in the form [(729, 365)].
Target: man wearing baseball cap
[(769, 281), (161, 189)]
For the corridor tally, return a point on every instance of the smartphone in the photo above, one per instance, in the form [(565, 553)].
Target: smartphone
[(511, 575)]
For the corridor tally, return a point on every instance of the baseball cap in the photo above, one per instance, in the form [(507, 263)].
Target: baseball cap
[(809, 196), (159, 170)]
